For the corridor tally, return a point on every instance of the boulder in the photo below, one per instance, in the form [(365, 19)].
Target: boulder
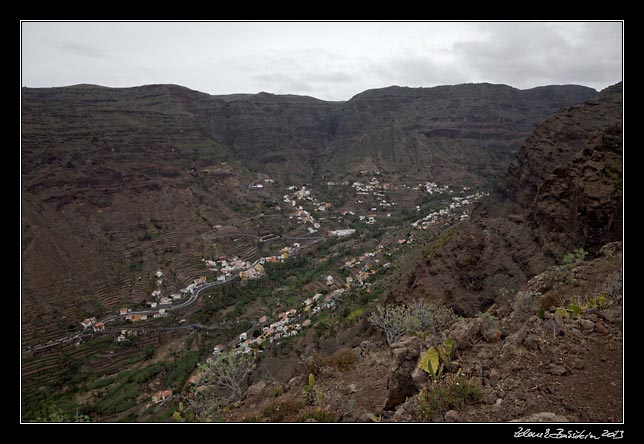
[(465, 332), (400, 385), (452, 416), (406, 411), (586, 325), (557, 369), (255, 389), (491, 334), (420, 377), (494, 376), (532, 342), (507, 351), (555, 325), (601, 328), (408, 342)]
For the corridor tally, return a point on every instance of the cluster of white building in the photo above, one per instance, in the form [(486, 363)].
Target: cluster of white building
[(376, 189), (444, 214), (301, 214), (369, 263), (230, 266), (259, 186), (432, 188), (341, 233), (245, 269), (290, 323), (156, 294), (369, 219)]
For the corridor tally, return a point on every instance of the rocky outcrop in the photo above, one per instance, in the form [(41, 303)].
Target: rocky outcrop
[(554, 360), (563, 192), (568, 177), (400, 385)]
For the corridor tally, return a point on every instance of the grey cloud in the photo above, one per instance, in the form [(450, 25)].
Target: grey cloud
[(415, 71), (329, 77), (82, 50), (282, 83), (332, 61), (523, 55)]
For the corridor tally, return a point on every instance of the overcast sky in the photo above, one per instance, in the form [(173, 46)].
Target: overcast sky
[(330, 61)]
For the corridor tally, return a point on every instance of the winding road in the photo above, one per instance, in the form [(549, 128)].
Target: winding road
[(194, 296)]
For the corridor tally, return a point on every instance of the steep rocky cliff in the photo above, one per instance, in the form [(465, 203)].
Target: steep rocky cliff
[(454, 133), (563, 192)]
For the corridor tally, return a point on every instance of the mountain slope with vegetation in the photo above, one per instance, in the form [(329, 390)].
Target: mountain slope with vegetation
[(119, 181), (540, 336)]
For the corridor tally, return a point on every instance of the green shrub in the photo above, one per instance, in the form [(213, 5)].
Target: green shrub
[(282, 410), (452, 392), (275, 392), (343, 359), (146, 373), (100, 383), (440, 241), (598, 302), (252, 419), (397, 320), (489, 317), (57, 415), (311, 381), (578, 255), (438, 358)]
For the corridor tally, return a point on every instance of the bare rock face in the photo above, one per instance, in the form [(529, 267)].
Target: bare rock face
[(563, 191), (400, 385), (406, 128)]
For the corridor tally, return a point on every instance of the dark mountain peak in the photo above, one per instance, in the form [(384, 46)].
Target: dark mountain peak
[(556, 141), (85, 86), (267, 97), (388, 91), (560, 88), (613, 92), (484, 89)]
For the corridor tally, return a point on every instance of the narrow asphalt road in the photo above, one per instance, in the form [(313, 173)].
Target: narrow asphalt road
[(194, 296)]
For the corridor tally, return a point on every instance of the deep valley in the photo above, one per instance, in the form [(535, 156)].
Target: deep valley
[(165, 231)]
